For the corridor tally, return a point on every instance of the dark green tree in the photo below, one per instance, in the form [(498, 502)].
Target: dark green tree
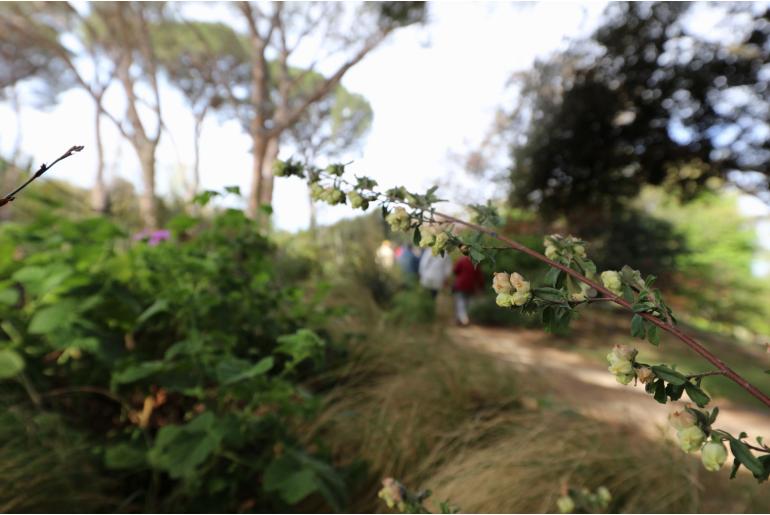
[(648, 99)]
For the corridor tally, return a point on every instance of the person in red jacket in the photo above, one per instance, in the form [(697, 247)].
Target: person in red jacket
[(468, 280)]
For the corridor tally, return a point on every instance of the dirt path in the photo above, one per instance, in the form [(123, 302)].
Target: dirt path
[(588, 387)]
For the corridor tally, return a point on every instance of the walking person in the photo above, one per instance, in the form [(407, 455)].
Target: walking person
[(434, 271), (468, 280)]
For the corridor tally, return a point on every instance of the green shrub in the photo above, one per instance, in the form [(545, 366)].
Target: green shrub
[(186, 356)]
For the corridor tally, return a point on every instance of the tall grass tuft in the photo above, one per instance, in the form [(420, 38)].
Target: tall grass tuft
[(413, 405), (47, 468)]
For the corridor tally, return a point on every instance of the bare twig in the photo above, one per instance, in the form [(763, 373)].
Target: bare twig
[(43, 168)]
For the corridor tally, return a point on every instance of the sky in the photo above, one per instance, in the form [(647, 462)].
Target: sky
[(434, 90)]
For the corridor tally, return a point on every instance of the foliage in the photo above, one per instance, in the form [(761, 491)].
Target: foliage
[(648, 99), (571, 282), (187, 356)]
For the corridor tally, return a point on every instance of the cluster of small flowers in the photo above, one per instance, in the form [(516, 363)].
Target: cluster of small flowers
[(612, 281), (621, 360), (393, 494), (692, 437), (512, 290), (557, 246), (434, 237), (330, 195), (595, 502), (357, 200), (399, 219)]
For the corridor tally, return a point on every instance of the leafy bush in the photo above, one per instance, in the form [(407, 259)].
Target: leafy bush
[(186, 355)]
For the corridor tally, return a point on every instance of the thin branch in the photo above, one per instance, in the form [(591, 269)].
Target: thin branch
[(43, 168), (666, 326)]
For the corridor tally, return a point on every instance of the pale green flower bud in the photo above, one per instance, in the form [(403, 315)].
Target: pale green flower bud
[(565, 504), (427, 236), (713, 455), (621, 367), (316, 191), (392, 493), (518, 282), (611, 281), (440, 242), (624, 351), (645, 374), (691, 438), (356, 200), (604, 495), (624, 378), (579, 250), (682, 420), (577, 297), (520, 298), (399, 219), (551, 252), (504, 300), (501, 283)]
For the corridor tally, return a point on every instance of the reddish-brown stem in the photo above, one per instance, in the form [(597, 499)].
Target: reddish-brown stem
[(671, 329)]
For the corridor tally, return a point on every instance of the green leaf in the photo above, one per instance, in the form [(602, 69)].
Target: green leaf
[(549, 294), (416, 237), (180, 450), (674, 392), (9, 297), (660, 391), (302, 345), (286, 476), (11, 363), (233, 370), (233, 190), (697, 395), (156, 307), (552, 277), (669, 374), (653, 336), (124, 456), (477, 256), (134, 373), (637, 327), (747, 459), (53, 318)]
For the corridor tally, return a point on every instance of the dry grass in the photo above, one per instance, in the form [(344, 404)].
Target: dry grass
[(414, 406)]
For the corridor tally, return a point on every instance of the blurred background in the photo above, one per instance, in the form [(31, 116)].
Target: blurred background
[(182, 331)]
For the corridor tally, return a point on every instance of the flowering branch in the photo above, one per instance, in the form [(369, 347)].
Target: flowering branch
[(43, 168), (571, 281)]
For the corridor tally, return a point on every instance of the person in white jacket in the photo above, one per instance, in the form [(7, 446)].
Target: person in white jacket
[(434, 271)]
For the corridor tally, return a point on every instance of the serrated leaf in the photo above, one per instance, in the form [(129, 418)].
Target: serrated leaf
[(637, 327), (653, 336), (552, 277), (697, 395), (669, 374), (747, 459)]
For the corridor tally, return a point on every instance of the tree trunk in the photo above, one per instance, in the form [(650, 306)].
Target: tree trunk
[(271, 154), (148, 203), (259, 146), (197, 154), (313, 216), (99, 198)]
